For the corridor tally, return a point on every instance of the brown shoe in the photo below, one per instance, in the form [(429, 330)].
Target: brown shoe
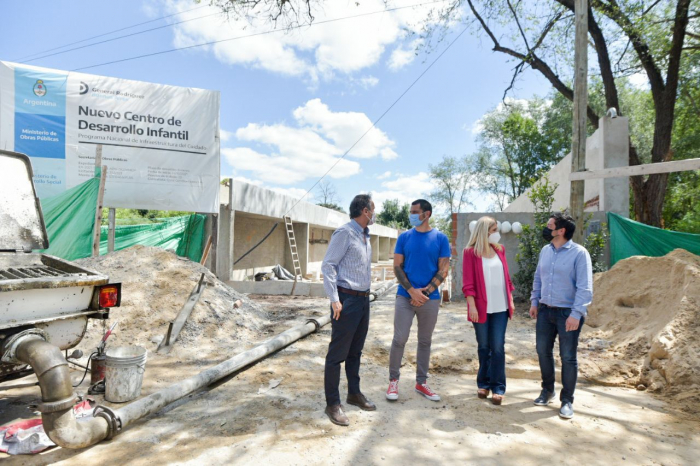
[(337, 416), (496, 399), (482, 393), (361, 401)]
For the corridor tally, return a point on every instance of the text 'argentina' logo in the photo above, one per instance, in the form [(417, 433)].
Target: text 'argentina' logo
[(39, 88), (83, 88)]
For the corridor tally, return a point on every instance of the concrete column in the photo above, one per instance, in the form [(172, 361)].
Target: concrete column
[(301, 234), (374, 241), (614, 192), (224, 264), (384, 248), (392, 247)]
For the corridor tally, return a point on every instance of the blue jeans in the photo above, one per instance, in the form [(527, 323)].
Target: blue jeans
[(550, 323), (348, 335), (491, 341)]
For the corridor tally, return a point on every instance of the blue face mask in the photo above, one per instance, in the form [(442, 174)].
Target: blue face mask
[(414, 220)]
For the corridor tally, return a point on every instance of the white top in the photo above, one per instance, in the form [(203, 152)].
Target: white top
[(494, 279)]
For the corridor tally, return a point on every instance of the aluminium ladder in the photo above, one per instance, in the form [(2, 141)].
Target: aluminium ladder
[(293, 248)]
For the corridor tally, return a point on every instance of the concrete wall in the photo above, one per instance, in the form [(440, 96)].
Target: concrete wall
[(608, 147), (256, 200), (384, 248), (227, 217), (374, 241), (508, 240), (247, 232), (317, 251), (248, 212), (279, 287)]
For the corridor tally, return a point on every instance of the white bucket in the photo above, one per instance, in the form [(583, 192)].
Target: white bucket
[(124, 374)]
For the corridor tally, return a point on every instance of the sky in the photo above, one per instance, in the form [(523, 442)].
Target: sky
[(294, 102)]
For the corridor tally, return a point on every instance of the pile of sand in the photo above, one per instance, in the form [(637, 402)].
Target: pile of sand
[(155, 286), (645, 320)]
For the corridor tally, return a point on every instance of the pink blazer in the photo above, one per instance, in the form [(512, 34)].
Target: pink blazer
[(473, 281)]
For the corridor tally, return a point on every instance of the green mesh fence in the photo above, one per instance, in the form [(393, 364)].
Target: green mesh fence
[(70, 218), (629, 238)]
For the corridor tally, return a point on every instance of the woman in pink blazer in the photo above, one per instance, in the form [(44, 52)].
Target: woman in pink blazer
[(487, 286)]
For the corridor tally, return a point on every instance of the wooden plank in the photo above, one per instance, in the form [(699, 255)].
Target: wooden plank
[(635, 170), (214, 243), (111, 229), (205, 255), (174, 328), (578, 144)]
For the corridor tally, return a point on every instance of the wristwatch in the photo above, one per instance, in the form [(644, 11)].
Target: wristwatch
[(425, 293)]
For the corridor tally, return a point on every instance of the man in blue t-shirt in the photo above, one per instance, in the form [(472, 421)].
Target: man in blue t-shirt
[(421, 264)]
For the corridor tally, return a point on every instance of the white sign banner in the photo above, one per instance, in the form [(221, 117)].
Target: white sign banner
[(160, 143)]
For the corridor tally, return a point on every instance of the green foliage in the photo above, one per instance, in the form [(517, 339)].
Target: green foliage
[(682, 208), (442, 223), (531, 242), (595, 244), (518, 143), (395, 215), (329, 205), (140, 216)]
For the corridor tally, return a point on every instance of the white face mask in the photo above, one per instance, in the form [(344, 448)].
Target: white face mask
[(371, 219), (494, 238)]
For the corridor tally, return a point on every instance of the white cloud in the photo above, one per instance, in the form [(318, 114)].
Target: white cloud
[(314, 52), (384, 175), (285, 154), (403, 55), (368, 81), (225, 135), (344, 128), (405, 188)]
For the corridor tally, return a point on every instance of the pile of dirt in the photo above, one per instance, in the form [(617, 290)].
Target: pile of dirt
[(155, 285), (645, 320)]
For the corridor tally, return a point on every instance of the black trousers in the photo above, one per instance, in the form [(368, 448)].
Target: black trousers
[(347, 340)]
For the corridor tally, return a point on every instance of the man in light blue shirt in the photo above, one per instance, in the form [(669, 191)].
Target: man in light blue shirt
[(562, 290), (347, 275)]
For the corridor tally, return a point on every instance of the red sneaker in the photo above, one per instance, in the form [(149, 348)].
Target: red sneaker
[(424, 390), (393, 392)]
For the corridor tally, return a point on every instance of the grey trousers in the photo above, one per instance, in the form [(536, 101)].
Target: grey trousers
[(427, 315)]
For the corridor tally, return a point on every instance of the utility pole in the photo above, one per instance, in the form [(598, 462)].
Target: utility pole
[(578, 144)]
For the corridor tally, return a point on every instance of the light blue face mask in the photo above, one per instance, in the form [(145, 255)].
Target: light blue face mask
[(414, 220)]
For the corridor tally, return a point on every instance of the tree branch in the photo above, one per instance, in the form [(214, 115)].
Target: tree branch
[(674, 55), (517, 21), (536, 63), (546, 30), (614, 12), (601, 48)]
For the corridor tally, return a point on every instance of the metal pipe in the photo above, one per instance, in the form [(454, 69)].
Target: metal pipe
[(382, 290), (156, 401), (58, 397)]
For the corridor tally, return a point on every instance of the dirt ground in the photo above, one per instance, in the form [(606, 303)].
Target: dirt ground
[(272, 413)]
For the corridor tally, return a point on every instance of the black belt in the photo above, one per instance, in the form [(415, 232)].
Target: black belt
[(353, 292), (556, 308)]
